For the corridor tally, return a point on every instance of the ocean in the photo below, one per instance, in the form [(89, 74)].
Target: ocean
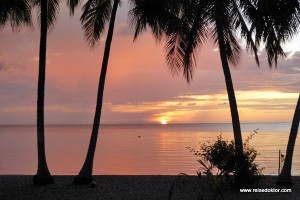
[(135, 149)]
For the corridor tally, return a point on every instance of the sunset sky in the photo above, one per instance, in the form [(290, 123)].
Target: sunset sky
[(139, 86)]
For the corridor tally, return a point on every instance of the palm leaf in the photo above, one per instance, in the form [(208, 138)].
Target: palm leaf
[(195, 38), (246, 33), (221, 14), (52, 11), (175, 53), (158, 15), (72, 4), (152, 13), (96, 13), (275, 22), (187, 35), (16, 13)]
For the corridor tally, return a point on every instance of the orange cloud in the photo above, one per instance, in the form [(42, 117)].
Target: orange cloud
[(253, 106)]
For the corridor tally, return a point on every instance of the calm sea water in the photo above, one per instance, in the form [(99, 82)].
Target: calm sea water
[(134, 149)]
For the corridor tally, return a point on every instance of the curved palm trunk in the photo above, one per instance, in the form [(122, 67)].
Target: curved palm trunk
[(285, 176), (43, 175), (231, 96), (243, 175), (85, 174)]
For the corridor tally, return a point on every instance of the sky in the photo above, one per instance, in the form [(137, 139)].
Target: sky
[(139, 86)]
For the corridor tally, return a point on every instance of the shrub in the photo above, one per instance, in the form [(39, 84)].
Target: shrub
[(220, 158)]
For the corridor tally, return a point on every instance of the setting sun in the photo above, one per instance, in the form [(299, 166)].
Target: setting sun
[(164, 121)]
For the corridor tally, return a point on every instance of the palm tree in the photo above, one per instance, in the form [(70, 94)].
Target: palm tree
[(48, 14), (95, 15), (284, 17), (16, 13), (257, 22), (195, 22), (285, 176)]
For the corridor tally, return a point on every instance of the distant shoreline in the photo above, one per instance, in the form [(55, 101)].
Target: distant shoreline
[(136, 187)]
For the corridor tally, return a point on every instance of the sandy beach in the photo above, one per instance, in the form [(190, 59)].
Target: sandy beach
[(17, 187)]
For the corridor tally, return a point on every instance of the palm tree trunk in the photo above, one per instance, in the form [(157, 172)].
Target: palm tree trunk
[(43, 175), (231, 96), (285, 176), (85, 174), (243, 175)]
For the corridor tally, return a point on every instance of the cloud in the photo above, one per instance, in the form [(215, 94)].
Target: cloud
[(190, 108), (2, 67), (12, 67), (139, 86)]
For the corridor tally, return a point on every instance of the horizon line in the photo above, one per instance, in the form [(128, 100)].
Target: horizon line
[(105, 124)]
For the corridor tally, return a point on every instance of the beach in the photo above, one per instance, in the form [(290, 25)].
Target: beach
[(150, 187)]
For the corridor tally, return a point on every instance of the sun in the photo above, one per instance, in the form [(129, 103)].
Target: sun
[(164, 121)]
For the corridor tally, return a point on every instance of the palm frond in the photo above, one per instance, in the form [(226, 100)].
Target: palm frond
[(96, 13), (285, 17), (158, 15), (246, 33), (16, 13), (52, 11), (138, 17), (175, 53), (147, 13), (184, 37), (223, 28), (273, 48), (195, 37), (274, 22), (233, 49), (187, 23), (72, 4)]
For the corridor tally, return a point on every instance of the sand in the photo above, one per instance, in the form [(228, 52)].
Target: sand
[(17, 187)]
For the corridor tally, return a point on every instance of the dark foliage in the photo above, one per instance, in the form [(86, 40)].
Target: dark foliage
[(221, 158)]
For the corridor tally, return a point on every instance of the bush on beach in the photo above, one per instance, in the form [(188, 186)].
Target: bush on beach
[(221, 159)]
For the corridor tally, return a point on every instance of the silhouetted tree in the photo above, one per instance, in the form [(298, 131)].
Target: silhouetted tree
[(285, 176), (96, 13), (196, 21), (283, 17), (267, 22), (48, 11)]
